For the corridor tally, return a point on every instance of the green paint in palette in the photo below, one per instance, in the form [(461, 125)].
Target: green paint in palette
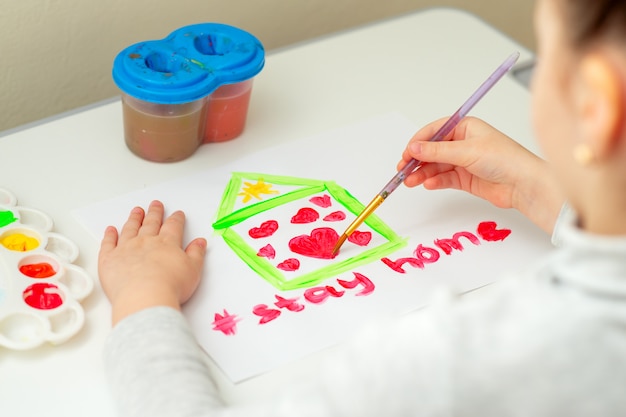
[(6, 218)]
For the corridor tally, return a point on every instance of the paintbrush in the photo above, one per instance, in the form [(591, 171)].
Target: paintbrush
[(439, 135)]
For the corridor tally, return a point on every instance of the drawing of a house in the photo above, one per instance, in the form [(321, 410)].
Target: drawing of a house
[(285, 228)]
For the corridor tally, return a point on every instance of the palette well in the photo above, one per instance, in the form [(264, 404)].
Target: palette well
[(40, 287)]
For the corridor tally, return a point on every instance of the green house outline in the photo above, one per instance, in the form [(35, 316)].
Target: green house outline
[(226, 218)]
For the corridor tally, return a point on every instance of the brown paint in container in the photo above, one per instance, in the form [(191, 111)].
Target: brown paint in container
[(163, 132)]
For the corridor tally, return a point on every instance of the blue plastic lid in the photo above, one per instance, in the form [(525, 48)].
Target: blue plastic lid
[(189, 64)]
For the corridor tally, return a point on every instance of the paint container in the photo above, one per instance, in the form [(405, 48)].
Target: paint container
[(190, 88), (40, 287)]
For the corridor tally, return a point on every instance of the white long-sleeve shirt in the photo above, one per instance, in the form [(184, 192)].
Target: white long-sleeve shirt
[(549, 342)]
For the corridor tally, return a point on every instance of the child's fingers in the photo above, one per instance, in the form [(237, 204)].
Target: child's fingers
[(425, 134), (449, 179), (196, 251), (429, 130), (153, 219), (109, 240), (133, 224), (173, 227), (457, 153), (425, 172)]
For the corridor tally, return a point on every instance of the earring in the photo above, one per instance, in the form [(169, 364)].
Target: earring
[(583, 154)]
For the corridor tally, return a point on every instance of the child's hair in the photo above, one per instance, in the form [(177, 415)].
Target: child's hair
[(591, 20)]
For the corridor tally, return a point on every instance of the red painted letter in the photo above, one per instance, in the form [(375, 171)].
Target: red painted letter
[(448, 245), (266, 314), (359, 279), (288, 303), (398, 264), (318, 295)]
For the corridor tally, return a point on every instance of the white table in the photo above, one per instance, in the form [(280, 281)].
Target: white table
[(416, 64)]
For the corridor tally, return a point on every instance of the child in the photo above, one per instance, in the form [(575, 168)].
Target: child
[(549, 342)]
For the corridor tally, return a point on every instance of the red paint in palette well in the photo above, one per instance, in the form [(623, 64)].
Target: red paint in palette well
[(43, 296), (38, 270)]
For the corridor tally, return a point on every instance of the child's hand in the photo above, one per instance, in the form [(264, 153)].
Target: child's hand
[(481, 160), (145, 265)]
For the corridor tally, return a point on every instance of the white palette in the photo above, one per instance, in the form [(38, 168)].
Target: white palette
[(40, 288)]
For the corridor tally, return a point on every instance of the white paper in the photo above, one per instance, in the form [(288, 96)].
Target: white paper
[(359, 158)]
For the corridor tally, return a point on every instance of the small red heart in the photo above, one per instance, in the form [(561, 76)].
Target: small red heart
[(266, 229), (336, 216), (321, 201), (319, 244), (305, 215), (267, 251), (488, 231), (360, 238), (291, 264)]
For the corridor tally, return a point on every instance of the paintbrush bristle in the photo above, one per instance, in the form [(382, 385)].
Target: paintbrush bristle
[(340, 242)]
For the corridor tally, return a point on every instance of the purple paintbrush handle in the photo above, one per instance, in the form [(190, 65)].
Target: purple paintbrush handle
[(451, 123)]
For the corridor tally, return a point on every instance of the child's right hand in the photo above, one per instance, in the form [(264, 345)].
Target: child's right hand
[(481, 160)]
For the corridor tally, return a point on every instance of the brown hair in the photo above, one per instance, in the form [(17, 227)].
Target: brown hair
[(590, 20)]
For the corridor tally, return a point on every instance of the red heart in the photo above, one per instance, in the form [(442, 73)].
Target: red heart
[(319, 244), (336, 216), (291, 264), (267, 251), (360, 238), (488, 231), (323, 201), (305, 215), (266, 229)]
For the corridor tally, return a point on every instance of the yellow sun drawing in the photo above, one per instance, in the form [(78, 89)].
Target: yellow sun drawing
[(250, 190)]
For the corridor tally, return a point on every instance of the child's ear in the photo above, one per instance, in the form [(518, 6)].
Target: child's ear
[(600, 104)]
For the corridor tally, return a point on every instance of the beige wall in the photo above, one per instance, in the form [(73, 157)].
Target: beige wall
[(57, 54)]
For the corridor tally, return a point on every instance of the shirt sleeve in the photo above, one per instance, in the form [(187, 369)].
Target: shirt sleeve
[(151, 358)]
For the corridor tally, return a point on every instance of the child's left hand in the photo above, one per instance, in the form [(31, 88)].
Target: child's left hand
[(145, 265)]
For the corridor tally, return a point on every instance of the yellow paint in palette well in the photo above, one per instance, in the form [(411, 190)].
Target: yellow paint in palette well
[(19, 242)]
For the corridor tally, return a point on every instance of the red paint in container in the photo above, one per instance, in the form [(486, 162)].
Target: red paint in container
[(227, 110)]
